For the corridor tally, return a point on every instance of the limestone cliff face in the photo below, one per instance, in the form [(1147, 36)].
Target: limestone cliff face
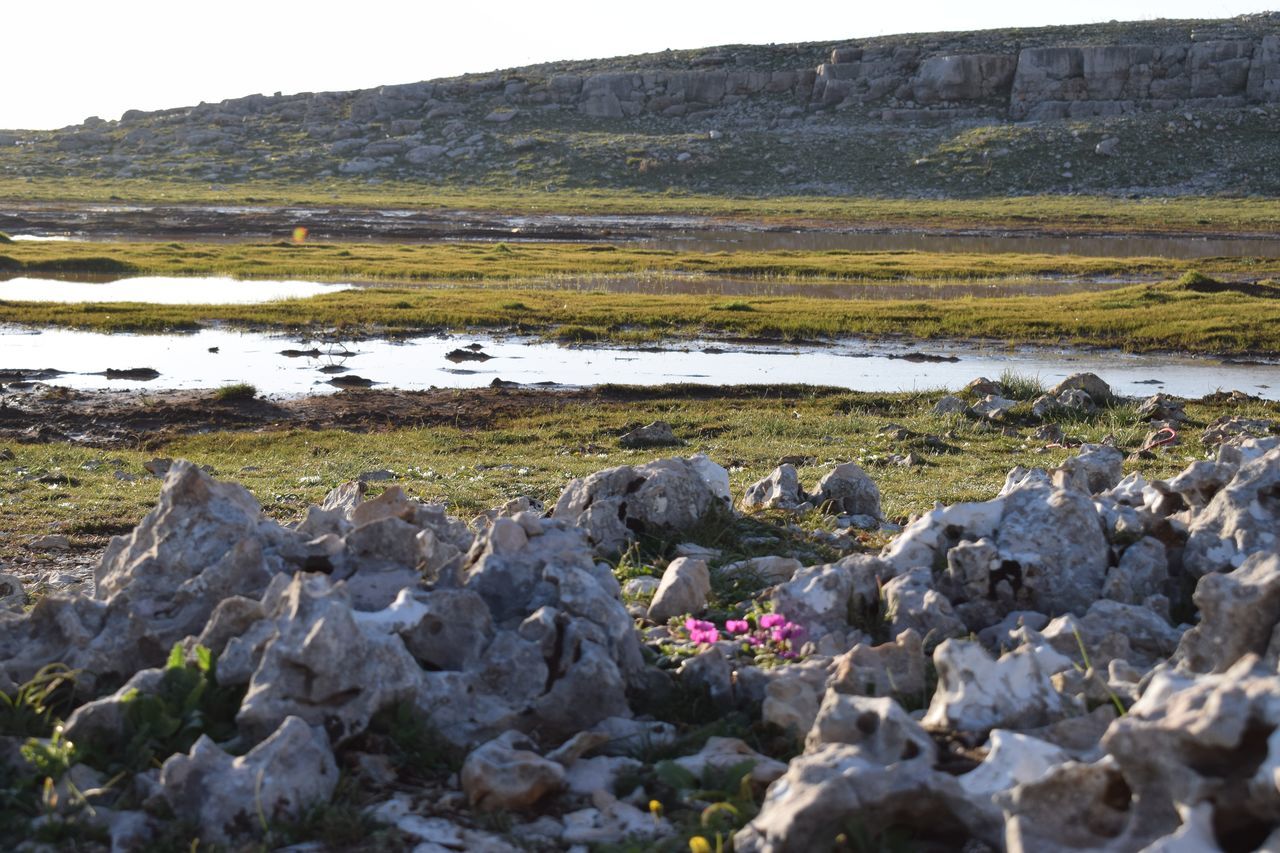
[(908, 80)]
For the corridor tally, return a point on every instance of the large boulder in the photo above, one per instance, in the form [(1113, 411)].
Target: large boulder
[(1241, 519), (1239, 615), (668, 497), (228, 797)]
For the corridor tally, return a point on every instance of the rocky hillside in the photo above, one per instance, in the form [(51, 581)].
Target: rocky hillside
[(1165, 107)]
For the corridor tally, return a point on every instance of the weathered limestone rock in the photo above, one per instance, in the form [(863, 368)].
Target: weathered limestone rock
[(298, 671), (197, 522), (893, 669), (1207, 740), (950, 405), (656, 434), (506, 774), (912, 604), (976, 692), (1239, 615), (1099, 392), (793, 694), (847, 489), (722, 753), (686, 583), (278, 779), (1012, 759), (1110, 630), (824, 790), (1077, 806), (968, 77), (881, 730), (666, 497), (1055, 539), (819, 597), (780, 490), (1096, 468), (1242, 519)]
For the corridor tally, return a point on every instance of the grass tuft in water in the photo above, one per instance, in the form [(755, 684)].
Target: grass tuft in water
[(1019, 386), (232, 393)]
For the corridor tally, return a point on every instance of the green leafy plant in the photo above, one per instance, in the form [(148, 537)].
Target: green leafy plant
[(34, 709), (188, 702)]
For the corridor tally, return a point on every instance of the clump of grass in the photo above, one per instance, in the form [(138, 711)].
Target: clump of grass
[(734, 306), (5, 238), (576, 334), (232, 393), (1019, 386)]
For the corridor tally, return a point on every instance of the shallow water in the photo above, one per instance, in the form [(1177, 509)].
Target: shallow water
[(236, 223), (699, 285), (161, 290), (906, 241), (185, 361)]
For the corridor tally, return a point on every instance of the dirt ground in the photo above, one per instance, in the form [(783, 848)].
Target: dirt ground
[(137, 420)]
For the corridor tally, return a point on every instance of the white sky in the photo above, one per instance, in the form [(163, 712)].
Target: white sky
[(64, 60)]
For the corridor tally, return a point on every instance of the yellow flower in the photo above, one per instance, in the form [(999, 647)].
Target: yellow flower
[(655, 809), (698, 844)]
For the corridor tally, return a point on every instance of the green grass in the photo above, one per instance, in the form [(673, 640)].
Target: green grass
[(496, 288), (1145, 317), (544, 447), (501, 262)]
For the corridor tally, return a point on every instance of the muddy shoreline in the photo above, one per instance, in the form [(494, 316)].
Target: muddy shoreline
[(131, 221), (143, 420)]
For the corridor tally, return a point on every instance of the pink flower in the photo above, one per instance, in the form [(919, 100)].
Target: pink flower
[(772, 620), (754, 641), (737, 626), (709, 635)]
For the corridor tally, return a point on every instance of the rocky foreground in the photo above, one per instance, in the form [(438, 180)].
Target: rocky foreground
[(1087, 661)]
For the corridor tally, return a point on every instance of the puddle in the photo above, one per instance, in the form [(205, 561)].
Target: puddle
[(160, 290), (698, 285), (211, 358)]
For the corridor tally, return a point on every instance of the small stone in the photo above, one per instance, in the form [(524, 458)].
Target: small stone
[(656, 434), (506, 774), (684, 589), (51, 542)]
